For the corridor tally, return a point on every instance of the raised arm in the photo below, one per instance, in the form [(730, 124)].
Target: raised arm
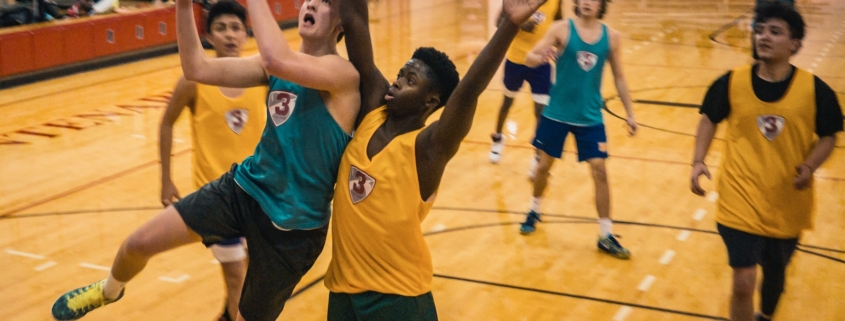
[(359, 46), (183, 95), (546, 50), (328, 72), (454, 124), (619, 80), (225, 72)]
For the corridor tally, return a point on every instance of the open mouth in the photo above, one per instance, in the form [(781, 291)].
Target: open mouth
[(308, 19), (231, 46), (389, 95)]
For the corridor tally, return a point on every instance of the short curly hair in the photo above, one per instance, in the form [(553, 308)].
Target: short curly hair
[(780, 10), (602, 10), (224, 7), (442, 71)]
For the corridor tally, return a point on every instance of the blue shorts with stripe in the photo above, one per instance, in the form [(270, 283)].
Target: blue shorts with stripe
[(551, 134), (540, 78)]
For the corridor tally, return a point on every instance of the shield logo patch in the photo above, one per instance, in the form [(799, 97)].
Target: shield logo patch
[(236, 119), (360, 184), (770, 125), (281, 105), (587, 60)]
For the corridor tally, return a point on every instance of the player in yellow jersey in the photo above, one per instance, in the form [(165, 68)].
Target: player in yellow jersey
[(781, 126), (381, 268), (227, 124), (516, 73)]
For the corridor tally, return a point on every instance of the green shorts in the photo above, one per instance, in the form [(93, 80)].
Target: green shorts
[(374, 306)]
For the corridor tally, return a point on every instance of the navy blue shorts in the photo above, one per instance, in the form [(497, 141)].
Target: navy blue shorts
[(747, 250), (551, 134), (540, 78)]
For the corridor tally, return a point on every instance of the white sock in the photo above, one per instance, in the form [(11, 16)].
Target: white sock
[(535, 204), (112, 288), (605, 227)]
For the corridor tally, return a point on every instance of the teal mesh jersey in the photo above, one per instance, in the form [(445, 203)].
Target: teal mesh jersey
[(294, 168), (575, 98)]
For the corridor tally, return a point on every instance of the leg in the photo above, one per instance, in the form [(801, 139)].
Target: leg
[(774, 261), (541, 176), (513, 81), (232, 257), (548, 140), (742, 295), (602, 189), (503, 113)]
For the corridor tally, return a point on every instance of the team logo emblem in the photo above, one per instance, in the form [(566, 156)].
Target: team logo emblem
[(587, 60), (538, 17), (236, 119), (281, 105), (360, 184), (770, 125)]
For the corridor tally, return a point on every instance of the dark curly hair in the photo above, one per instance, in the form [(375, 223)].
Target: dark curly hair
[(441, 69), (602, 10), (224, 7), (780, 10)]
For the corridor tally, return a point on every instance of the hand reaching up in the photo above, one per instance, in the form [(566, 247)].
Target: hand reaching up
[(518, 11)]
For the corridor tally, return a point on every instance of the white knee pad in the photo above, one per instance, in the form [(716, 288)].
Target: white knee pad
[(541, 99), (509, 94), (229, 253)]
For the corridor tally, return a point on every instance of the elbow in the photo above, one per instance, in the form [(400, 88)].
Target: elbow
[(272, 64)]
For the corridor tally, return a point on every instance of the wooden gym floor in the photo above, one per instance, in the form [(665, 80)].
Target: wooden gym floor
[(79, 172)]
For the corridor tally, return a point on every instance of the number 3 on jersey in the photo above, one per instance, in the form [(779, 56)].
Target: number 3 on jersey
[(360, 184), (280, 105)]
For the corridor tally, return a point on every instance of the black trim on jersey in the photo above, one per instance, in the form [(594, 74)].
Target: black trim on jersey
[(829, 118)]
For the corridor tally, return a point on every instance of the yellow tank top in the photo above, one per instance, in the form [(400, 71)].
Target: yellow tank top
[(525, 41), (225, 130), (765, 142), (377, 242)]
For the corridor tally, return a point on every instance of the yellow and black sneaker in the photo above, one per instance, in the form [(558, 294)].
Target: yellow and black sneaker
[(75, 304)]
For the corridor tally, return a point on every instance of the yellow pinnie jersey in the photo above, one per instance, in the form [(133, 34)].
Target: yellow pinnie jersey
[(525, 41), (225, 130), (377, 242), (765, 142)]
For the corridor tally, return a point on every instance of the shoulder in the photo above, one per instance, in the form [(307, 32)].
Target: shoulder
[(185, 87)]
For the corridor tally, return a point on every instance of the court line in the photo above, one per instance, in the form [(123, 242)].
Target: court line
[(92, 211), (583, 297), (88, 185)]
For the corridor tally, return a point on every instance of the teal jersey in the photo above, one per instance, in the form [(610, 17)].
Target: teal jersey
[(575, 98), (293, 171)]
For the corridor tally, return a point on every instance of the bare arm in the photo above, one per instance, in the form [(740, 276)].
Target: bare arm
[(619, 79), (183, 95), (703, 138), (329, 73), (225, 72), (819, 154), (444, 136), (374, 85), (547, 49)]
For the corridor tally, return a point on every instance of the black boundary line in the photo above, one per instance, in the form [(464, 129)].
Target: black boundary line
[(666, 103), (820, 255), (77, 212), (583, 297)]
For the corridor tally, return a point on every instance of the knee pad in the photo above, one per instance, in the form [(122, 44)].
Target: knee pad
[(229, 253)]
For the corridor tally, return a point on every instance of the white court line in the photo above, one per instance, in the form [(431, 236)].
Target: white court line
[(179, 279), (814, 65), (712, 197), (622, 314), (811, 70), (667, 257), (29, 255), (818, 59), (45, 266), (653, 38), (699, 214), (139, 136), (213, 261), (646, 43), (178, 140), (660, 34), (94, 266), (684, 235), (646, 283)]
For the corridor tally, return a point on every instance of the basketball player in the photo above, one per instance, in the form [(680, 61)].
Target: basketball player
[(580, 46), (381, 267), (516, 73), (279, 197), (782, 124), (215, 148)]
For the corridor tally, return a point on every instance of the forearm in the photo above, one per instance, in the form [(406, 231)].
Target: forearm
[(165, 145), (821, 152), (703, 138), (191, 53), (272, 45), (533, 59), (625, 95)]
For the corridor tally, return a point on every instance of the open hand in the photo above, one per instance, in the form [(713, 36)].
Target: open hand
[(518, 11)]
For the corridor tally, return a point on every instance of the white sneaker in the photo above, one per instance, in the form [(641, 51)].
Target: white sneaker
[(496, 148), (532, 169)]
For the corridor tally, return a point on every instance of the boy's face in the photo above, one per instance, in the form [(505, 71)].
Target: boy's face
[(588, 8), (412, 89), (319, 18), (773, 40), (228, 35)]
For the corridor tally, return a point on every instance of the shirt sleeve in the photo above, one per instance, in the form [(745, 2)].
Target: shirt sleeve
[(829, 118), (716, 104)]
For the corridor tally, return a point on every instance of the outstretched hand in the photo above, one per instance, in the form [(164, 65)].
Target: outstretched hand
[(518, 11)]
